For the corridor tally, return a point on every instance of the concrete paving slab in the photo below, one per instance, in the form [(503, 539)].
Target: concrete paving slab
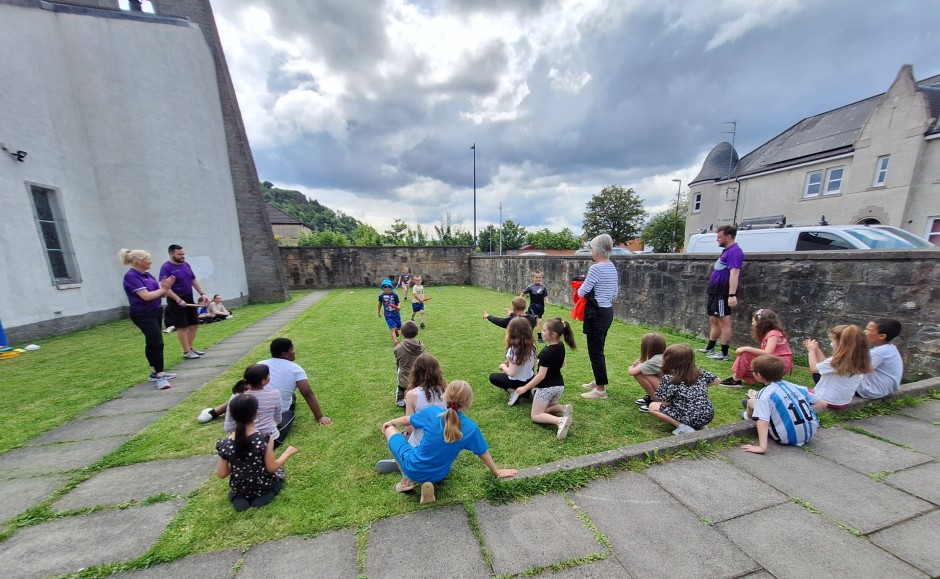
[(22, 493), (297, 557), (849, 497), (52, 458), (97, 427), (604, 569), (540, 532), (136, 482), (914, 541), (653, 535), (912, 432), (72, 543), (137, 405), (215, 565), (920, 481), (789, 541), (391, 552), (862, 453), (149, 390), (714, 489), (928, 411)]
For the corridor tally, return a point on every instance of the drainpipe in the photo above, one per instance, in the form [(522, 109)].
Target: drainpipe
[(737, 200)]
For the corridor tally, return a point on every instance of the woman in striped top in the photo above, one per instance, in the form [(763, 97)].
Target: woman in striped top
[(603, 281)]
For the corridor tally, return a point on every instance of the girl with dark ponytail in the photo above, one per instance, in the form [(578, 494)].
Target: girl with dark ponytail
[(254, 380), (248, 456), (445, 435)]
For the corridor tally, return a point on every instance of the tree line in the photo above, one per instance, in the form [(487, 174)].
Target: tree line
[(615, 210)]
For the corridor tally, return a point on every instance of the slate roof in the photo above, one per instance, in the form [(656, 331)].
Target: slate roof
[(279, 217), (824, 135)]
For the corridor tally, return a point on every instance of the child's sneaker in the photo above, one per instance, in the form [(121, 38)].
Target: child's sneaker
[(683, 429), (645, 408), (752, 393), (513, 397), (169, 330), (731, 382), (162, 383), (386, 466), (205, 416), (563, 425), (595, 395), (567, 410), (743, 415), (427, 493), (645, 401), (422, 325), (405, 485), (400, 403)]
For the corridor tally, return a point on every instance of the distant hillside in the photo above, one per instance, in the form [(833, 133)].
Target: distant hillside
[(318, 216)]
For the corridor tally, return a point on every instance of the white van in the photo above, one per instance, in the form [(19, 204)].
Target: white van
[(811, 238)]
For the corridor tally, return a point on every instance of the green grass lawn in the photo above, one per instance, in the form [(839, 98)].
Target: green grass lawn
[(77, 371), (346, 350)]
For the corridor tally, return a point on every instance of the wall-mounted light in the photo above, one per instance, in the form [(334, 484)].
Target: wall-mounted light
[(16, 155)]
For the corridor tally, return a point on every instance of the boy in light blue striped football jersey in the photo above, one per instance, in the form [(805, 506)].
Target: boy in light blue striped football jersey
[(785, 411)]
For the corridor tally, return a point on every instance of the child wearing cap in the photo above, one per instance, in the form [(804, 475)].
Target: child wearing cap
[(389, 305)]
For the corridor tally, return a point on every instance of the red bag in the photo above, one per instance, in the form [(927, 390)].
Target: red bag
[(577, 312)]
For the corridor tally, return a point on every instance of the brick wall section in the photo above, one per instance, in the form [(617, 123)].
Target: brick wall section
[(266, 280), (341, 267), (811, 292)]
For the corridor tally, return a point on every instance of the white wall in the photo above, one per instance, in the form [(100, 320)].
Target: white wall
[(122, 117)]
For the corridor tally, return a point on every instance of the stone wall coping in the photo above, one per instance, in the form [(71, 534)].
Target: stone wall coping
[(665, 446), (873, 255)]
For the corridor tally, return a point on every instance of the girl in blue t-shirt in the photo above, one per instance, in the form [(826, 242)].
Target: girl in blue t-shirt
[(550, 382), (445, 435)]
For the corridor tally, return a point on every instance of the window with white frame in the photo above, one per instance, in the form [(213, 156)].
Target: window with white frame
[(933, 230), (834, 180), (881, 171), (813, 184), (696, 203), (54, 233)]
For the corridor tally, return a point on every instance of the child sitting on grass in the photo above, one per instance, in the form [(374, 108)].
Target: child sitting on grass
[(550, 382), (425, 389), (767, 329), (838, 377), (248, 456), (445, 435), (683, 392), (519, 364), (254, 380), (886, 364), (648, 370), (784, 411), (406, 352)]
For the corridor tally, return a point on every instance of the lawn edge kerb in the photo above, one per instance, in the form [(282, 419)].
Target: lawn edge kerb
[(617, 457)]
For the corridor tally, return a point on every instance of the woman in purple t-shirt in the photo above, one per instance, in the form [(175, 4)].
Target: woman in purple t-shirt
[(146, 310)]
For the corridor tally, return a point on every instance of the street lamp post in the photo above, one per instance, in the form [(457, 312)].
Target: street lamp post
[(675, 224), (474, 147), (500, 228)]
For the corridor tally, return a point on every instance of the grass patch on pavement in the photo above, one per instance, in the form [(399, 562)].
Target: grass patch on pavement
[(75, 372)]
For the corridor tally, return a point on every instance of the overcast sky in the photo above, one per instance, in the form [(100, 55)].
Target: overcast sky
[(371, 107)]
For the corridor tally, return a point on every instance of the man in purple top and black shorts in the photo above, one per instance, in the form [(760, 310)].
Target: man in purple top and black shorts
[(722, 292), (179, 300)]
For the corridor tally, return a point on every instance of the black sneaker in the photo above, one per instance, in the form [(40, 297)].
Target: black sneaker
[(731, 382), (644, 408), (643, 401), (422, 325)]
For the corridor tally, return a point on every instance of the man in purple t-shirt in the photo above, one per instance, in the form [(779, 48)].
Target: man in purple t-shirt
[(179, 300), (722, 292)]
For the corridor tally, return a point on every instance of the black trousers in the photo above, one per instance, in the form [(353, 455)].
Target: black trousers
[(503, 381), (595, 329), (287, 420), (152, 327)]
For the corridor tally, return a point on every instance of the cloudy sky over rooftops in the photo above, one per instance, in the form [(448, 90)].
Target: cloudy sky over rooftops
[(371, 107)]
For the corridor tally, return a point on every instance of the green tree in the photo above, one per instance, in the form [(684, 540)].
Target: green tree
[(366, 236), (395, 234), (666, 231), (547, 239), (416, 237), (513, 237), (616, 211), (326, 238), (449, 233)]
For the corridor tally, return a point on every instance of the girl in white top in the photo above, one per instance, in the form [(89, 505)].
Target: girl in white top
[(519, 365), (840, 375), (425, 388)]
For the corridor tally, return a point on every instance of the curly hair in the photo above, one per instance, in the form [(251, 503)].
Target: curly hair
[(767, 320), (519, 339), (426, 372)]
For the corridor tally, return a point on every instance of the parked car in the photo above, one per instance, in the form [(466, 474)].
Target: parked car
[(586, 250), (906, 235), (810, 238), (531, 253)]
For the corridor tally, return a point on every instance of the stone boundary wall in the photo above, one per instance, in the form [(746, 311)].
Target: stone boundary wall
[(811, 291), (341, 267)]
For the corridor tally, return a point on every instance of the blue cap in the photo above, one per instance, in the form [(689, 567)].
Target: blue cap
[(386, 282)]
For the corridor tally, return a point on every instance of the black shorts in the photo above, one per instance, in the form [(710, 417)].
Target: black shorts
[(536, 310), (182, 317), (718, 305)]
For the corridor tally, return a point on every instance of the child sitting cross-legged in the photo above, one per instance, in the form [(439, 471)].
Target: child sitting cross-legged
[(767, 329), (683, 392), (784, 411)]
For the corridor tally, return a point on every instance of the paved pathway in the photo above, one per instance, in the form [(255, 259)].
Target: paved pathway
[(850, 504)]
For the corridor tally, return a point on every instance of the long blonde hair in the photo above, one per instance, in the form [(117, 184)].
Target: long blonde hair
[(851, 356), (458, 396), (132, 256)]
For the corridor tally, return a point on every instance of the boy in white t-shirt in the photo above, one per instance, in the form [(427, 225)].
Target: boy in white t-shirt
[(886, 363), (784, 411)]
